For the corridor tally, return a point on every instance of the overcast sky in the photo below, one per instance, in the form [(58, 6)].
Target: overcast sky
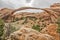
[(22, 3)]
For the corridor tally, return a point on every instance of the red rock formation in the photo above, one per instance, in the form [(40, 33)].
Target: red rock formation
[(55, 5), (51, 30)]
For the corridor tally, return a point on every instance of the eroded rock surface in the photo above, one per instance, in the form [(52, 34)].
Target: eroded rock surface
[(29, 34)]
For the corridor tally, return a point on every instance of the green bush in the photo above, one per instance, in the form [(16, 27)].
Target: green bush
[(32, 18), (16, 19), (58, 22), (1, 27), (36, 27)]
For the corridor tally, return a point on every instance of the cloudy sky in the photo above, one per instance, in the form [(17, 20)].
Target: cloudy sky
[(21, 3)]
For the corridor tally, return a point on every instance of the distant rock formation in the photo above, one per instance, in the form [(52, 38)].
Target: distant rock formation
[(55, 5)]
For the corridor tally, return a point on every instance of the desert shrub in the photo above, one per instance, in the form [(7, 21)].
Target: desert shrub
[(1, 28), (16, 19), (36, 27), (25, 20), (32, 18), (58, 22)]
